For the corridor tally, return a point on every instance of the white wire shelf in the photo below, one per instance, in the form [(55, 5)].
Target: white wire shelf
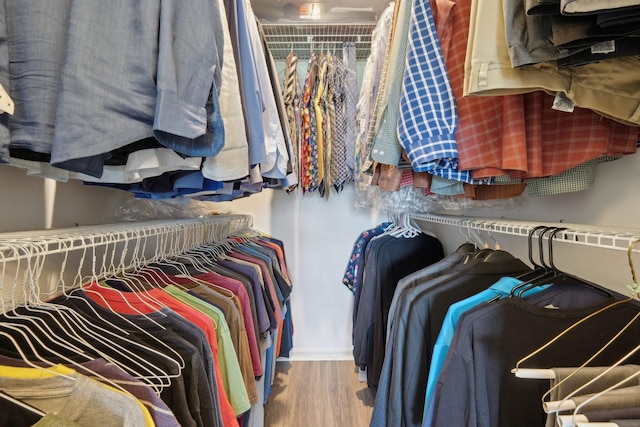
[(178, 235), (321, 37), (579, 234)]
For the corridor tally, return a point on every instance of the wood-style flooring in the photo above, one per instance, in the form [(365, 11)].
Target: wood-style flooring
[(318, 394)]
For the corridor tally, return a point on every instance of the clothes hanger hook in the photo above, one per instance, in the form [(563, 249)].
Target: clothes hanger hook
[(635, 286), (530, 244), (550, 243)]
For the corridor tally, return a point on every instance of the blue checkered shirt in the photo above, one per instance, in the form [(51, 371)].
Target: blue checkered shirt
[(428, 116)]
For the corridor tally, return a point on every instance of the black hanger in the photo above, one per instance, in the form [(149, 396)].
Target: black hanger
[(541, 270), (560, 277), (548, 271), (536, 268)]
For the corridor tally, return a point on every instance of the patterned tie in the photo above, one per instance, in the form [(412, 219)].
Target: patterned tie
[(308, 143), (340, 151), (313, 126), (291, 100), (350, 101), (330, 126), (319, 124)]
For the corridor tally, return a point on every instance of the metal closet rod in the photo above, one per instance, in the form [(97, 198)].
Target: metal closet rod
[(579, 234), (22, 245)]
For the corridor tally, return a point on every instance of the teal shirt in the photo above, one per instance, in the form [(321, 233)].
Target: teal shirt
[(501, 288)]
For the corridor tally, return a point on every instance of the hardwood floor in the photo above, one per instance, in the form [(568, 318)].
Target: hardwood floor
[(318, 394)]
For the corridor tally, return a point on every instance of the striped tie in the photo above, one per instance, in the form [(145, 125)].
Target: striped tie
[(291, 100)]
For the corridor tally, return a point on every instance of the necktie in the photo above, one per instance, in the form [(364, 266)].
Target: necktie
[(330, 126), (308, 153), (339, 155), (319, 124), (291, 99), (350, 101)]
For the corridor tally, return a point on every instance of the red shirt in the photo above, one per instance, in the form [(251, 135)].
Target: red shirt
[(137, 303)]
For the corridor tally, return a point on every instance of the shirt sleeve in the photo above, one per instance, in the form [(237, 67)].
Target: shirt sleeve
[(187, 116), (428, 115)]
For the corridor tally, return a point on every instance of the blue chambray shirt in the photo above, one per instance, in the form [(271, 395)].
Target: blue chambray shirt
[(250, 89), (133, 70)]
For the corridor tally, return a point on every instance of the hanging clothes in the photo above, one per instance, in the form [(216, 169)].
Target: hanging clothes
[(422, 300), (180, 335), (176, 125), (386, 260), (513, 401), (457, 327), (516, 131)]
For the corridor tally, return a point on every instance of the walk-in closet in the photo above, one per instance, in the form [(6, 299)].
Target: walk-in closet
[(247, 213)]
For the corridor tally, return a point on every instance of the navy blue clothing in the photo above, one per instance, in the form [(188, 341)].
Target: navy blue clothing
[(477, 387), (387, 260)]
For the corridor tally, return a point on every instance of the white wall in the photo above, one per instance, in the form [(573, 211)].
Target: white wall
[(318, 235), (22, 202)]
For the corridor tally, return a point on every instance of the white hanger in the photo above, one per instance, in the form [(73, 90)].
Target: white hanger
[(588, 424), (6, 103), (157, 377), (130, 358)]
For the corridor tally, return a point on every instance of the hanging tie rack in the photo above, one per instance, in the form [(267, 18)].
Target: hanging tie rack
[(586, 235)]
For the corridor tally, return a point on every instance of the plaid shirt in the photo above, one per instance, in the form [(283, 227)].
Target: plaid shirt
[(520, 134), (428, 117)]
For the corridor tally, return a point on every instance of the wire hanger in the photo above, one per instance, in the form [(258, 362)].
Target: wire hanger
[(6, 396), (635, 288), (547, 373), (123, 349), (159, 377)]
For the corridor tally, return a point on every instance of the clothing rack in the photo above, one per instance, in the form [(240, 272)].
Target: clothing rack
[(63, 258), (580, 234)]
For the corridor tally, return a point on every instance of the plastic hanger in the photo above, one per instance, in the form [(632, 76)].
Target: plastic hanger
[(549, 270), (541, 271), (561, 277)]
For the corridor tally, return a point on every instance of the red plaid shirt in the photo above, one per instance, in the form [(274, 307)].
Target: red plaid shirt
[(519, 135)]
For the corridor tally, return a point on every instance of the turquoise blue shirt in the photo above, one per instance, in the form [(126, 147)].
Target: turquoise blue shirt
[(501, 288)]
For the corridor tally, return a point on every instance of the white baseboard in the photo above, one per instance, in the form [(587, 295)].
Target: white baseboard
[(303, 354)]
